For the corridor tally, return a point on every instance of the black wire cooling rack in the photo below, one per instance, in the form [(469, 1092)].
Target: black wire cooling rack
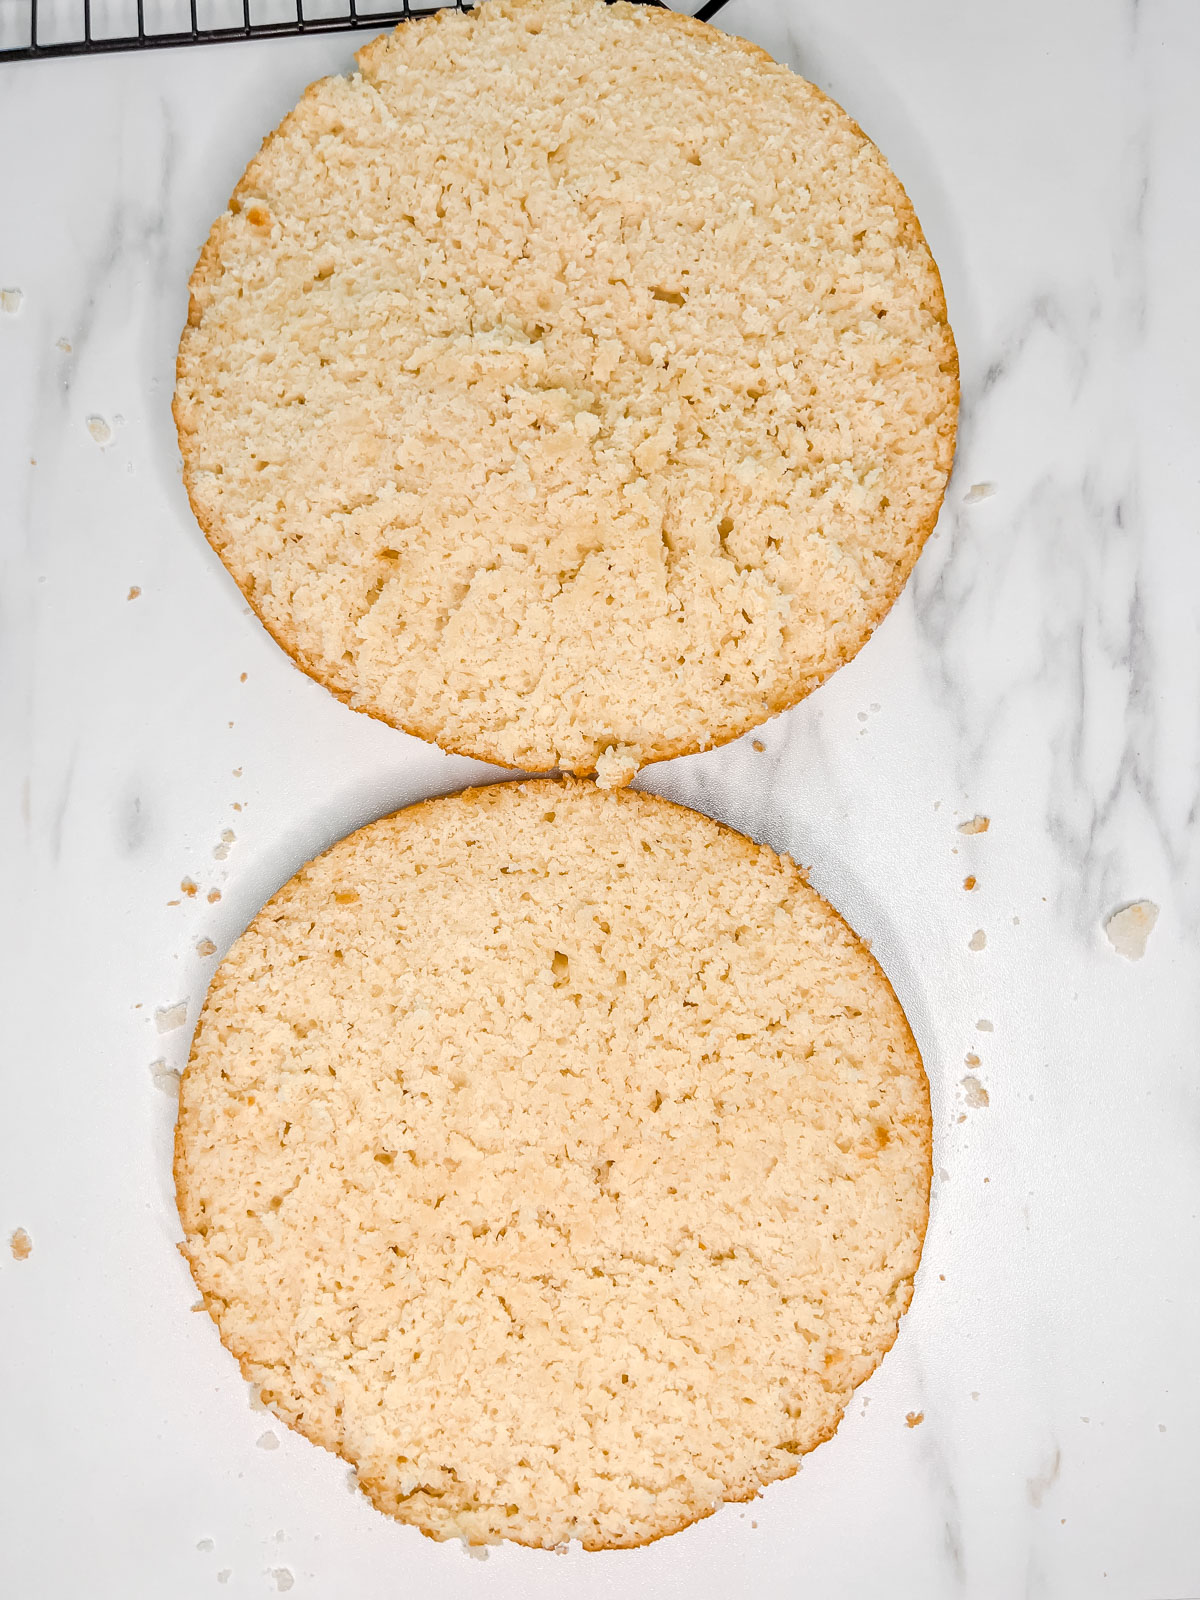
[(33, 29)]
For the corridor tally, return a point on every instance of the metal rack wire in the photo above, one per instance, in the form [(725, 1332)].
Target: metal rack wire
[(32, 30)]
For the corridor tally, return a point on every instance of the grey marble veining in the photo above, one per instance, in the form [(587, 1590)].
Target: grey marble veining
[(1042, 669)]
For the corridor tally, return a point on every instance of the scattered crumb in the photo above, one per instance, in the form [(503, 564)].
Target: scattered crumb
[(937, 805), (757, 744), (616, 767), (256, 1400), (189, 887), (1162, 1427), (168, 1018), (862, 716), (225, 1574), (204, 1546), (283, 1578), (976, 1095), (970, 883), (971, 1059), (268, 1441), (64, 345), (475, 1552), (99, 429), (975, 825), (974, 1394), (754, 1524), (243, 677), (984, 1026), (1130, 927), (10, 301), (562, 1549), (227, 836), (978, 492), (941, 1277), (914, 1419), (164, 1077), (213, 896), (977, 940), (20, 1244), (237, 805), (174, 902), (133, 592), (1016, 922), (220, 852), (237, 772), (205, 948)]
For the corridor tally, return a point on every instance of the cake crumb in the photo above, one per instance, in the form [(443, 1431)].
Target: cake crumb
[(10, 300), (914, 1419), (243, 677), (474, 1552), (971, 1059), (190, 887), (164, 1078), (205, 948), (1130, 927), (975, 824), (204, 1546), (616, 767), (168, 1018), (268, 1440), (283, 1578), (20, 1244), (977, 940), (213, 896), (134, 591), (976, 1095), (99, 429), (757, 744), (970, 883), (64, 345), (225, 1574), (978, 492)]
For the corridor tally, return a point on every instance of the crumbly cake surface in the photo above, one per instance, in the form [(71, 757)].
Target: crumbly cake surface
[(571, 386), (557, 1157)]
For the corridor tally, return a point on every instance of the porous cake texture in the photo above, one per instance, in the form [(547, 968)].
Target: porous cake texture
[(557, 1157), (571, 385)]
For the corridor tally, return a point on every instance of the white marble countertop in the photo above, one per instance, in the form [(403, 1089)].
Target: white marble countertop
[(1042, 669)]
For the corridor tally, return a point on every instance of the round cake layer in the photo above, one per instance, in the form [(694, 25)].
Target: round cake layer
[(571, 386), (557, 1157)]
